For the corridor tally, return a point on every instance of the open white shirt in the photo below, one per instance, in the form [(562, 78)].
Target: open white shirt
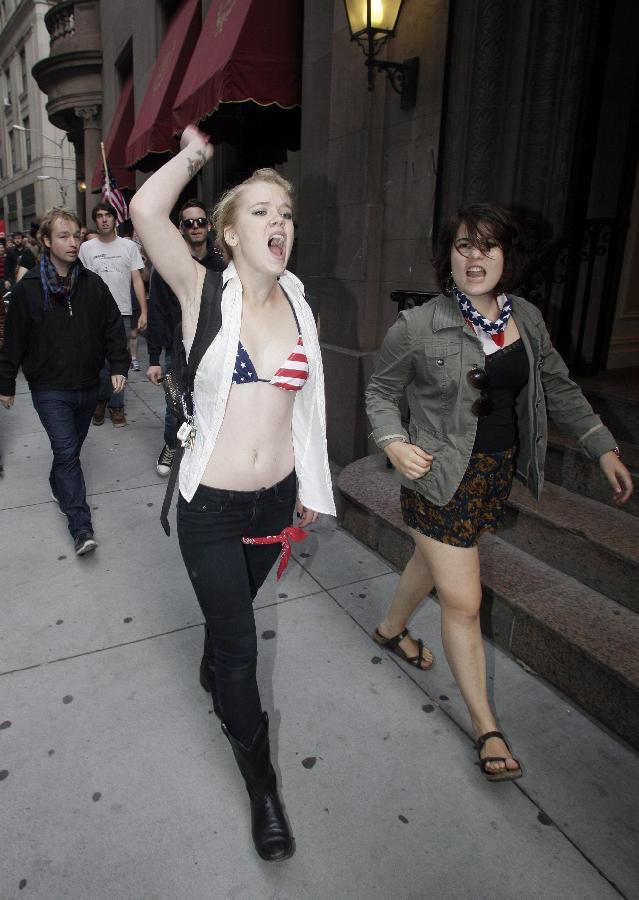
[(213, 384)]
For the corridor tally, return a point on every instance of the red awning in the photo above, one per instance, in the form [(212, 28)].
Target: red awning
[(247, 50), (115, 142), (153, 130)]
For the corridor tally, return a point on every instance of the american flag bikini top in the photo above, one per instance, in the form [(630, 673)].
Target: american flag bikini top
[(291, 376)]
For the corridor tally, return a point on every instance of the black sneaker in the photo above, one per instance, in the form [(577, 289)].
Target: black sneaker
[(84, 543), (165, 461)]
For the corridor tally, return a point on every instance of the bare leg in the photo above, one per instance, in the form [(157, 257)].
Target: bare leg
[(133, 343), (415, 583), (455, 571)]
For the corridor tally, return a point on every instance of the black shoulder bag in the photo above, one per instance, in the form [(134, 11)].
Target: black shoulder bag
[(179, 382)]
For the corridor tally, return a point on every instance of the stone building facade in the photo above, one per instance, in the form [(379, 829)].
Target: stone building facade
[(37, 166), (69, 72), (533, 104)]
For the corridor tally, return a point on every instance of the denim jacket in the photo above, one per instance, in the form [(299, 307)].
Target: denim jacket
[(428, 353)]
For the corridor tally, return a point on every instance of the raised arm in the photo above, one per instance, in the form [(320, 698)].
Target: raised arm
[(150, 210)]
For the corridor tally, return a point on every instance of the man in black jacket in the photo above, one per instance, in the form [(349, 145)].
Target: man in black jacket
[(165, 314), (61, 324), (19, 256)]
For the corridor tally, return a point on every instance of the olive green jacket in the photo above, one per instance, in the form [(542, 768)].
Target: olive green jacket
[(428, 353)]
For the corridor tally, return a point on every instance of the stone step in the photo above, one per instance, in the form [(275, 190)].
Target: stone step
[(619, 412), (569, 467), (596, 544), (575, 637), (582, 642)]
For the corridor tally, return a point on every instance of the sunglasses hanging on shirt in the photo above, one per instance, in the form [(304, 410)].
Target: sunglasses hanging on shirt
[(478, 378)]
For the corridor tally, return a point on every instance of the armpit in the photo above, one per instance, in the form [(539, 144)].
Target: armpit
[(191, 307)]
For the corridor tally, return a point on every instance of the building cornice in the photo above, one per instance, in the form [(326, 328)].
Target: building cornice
[(53, 68)]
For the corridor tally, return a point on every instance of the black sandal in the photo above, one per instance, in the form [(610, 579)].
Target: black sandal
[(392, 644), (503, 774)]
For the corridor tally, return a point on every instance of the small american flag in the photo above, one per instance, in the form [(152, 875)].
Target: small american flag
[(112, 194)]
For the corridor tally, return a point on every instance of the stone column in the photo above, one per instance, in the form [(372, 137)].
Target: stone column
[(365, 196), (92, 131)]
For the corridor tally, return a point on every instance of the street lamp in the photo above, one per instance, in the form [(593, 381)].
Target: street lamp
[(371, 23), (42, 134), (53, 141), (63, 190)]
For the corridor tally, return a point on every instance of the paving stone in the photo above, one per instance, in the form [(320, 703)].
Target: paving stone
[(116, 781)]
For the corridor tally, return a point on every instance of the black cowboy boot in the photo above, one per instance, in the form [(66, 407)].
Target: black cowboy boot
[(271, 833), (207, 672)]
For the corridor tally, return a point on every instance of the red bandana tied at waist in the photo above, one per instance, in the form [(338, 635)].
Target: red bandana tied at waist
[(285, 537)]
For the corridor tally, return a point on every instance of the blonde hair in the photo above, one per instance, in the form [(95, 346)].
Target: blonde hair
[(226, 207), (52, 215)]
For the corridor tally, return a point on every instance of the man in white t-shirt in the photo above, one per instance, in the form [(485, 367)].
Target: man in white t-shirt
[(119, 264)]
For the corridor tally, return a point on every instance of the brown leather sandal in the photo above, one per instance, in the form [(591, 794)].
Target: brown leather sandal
[(503, 774), (392, 644)]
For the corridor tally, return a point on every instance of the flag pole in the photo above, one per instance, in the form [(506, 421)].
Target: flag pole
[(104, 162)]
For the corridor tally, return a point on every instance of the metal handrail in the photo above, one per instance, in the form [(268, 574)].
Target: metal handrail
[(572, 282)]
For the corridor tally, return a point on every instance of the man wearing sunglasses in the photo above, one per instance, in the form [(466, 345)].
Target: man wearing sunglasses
[(165, 314)]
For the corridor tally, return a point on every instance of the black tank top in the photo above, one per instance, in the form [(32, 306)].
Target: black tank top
[(507, 371)]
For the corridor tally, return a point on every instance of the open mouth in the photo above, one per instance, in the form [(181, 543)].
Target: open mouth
[(475, 272), (277, 245)]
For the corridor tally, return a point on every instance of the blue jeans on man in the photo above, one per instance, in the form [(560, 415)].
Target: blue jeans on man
[(106, 393), (66, 416)]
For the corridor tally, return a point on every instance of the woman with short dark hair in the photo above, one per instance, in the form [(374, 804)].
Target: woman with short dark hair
[(481, 377)]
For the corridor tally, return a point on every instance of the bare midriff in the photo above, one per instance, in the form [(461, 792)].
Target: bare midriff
[(254, 447)]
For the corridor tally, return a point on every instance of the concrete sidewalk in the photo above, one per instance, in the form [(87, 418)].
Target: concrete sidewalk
[(117, 784)]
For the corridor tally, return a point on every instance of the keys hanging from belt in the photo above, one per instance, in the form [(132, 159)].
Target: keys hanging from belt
[(186, 433)]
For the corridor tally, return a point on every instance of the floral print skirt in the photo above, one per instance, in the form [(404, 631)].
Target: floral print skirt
[(478, 504)]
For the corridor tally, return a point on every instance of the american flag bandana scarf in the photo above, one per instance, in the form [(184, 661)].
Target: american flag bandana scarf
[(495, 329)]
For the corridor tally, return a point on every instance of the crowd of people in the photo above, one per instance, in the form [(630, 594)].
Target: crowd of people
[(250, 455)]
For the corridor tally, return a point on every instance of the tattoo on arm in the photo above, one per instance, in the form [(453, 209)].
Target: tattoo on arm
[(196, 164)]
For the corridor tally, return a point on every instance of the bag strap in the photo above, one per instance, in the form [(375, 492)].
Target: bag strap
[(209, 323), (170, 487)]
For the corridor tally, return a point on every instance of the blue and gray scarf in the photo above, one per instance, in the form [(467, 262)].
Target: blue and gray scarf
[(58, 287)]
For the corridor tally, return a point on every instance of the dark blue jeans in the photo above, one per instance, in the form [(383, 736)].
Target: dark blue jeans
[(226, 575), (66, 416), (106, 392)]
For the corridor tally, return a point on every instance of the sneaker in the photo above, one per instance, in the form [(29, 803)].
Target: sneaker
[(98, 415), (165, 461), (135, 364), (55, 500), (84, 543), (117, 417)]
